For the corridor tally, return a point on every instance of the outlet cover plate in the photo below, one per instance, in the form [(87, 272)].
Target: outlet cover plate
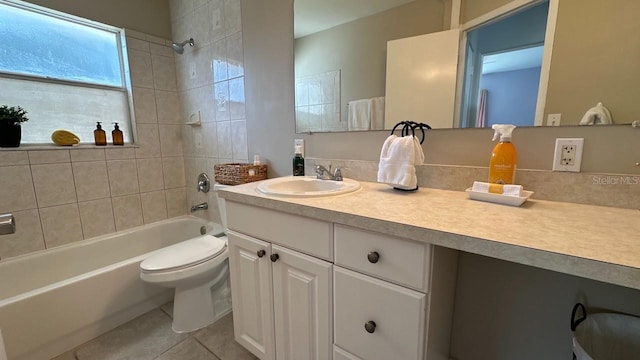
[(568, 154), (300, 142)]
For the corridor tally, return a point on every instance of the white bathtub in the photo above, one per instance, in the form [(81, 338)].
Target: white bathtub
[(54, 300)]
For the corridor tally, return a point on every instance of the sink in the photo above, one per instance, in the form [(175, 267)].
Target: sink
[(306, 186)]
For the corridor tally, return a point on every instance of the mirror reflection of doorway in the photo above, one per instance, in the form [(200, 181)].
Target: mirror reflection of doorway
[(502, 72)]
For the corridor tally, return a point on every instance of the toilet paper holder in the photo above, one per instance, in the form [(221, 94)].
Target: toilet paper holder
[(7, 224)]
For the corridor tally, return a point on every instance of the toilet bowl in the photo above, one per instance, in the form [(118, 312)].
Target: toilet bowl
[(198, 269)]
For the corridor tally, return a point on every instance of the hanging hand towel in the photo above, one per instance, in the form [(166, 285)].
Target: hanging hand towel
[(359, 114), (397, 162), (597, 115), (377, 113)]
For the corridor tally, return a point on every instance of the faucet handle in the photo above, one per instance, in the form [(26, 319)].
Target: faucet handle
[(337, 174)]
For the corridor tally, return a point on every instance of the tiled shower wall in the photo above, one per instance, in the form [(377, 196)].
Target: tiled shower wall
[(60, 196), (211, 87)]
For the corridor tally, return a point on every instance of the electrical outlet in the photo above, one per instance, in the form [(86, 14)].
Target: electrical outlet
[(568, 154), (299, 142)]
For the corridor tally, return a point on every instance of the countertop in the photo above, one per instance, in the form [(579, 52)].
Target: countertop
[(595, 242)]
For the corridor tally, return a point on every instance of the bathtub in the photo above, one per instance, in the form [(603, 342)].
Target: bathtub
[(54, 300)]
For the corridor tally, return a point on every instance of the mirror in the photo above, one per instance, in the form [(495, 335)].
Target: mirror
[(590, 64)]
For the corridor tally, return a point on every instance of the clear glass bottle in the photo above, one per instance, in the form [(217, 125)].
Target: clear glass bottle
[(99, 135), (116, 135)]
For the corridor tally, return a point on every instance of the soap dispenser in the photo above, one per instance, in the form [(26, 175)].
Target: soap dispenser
[(116, 135), (99, 135), (298, 162)]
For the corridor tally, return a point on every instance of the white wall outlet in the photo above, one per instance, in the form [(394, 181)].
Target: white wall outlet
[(568, 154), (299, 142), (553, 119)]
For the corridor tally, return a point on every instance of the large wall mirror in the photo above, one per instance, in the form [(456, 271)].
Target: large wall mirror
[(341, 52)]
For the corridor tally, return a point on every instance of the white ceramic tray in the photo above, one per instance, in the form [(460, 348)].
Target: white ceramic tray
[(499, 198)]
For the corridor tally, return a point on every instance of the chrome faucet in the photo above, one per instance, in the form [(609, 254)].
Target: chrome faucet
[(201, 206), (323, 174)]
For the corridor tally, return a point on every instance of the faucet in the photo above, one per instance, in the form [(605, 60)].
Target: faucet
[(201, 206), (323, 174)]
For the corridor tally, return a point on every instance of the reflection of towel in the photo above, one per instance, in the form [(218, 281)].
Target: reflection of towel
[(377, 113), (360, 114), (597, 115), (398, 158)]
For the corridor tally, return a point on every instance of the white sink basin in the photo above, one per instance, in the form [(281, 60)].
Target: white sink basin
[(306, 186)]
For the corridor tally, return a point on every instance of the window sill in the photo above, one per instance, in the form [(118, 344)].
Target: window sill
[(28, 147)]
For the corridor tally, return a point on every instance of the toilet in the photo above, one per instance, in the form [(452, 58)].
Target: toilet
[(198, 269)]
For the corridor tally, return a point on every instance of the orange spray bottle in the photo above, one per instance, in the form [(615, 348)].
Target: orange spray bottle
[(504, 158)]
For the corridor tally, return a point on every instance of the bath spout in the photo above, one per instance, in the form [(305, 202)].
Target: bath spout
[(201, 206)]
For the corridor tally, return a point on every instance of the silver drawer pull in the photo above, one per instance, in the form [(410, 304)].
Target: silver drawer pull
[(373, 257), (370, 326)]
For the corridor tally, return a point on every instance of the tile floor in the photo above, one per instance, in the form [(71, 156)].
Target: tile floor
[(149, 337)]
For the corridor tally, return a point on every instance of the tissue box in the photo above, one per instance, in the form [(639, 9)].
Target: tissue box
[(236, 174)]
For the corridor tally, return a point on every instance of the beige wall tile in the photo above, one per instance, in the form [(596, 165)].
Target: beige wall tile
[(150, 174), (127, 211), (120, 153), (232, 18), (92, 181), (219, 56), (78, 155), (27, 238), (123, 177), (136, 44), (235, 55), (225, 141), (239, 139), (140, 65), (154, 206), (168, 107), (159, 48), (209, 139), (96, 217), (155, 40), (16, 189), (201, 59), (54, 184), (176, 202), (164, 73), (144, 105), (61, 225), (135, 34), (188, 139), (49, 156), (221, 99), (171, 140), (149, 141), (173, 168), (13, 158), (236, 99)]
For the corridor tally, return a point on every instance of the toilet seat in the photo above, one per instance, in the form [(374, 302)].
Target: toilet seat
[(184, 254)]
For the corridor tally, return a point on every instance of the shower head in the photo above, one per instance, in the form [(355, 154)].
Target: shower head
[(179, 47)]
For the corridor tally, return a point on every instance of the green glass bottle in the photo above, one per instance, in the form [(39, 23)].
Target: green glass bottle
[(298, 162)]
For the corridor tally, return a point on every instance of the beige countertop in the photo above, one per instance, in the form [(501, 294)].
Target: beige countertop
[(595, 242)]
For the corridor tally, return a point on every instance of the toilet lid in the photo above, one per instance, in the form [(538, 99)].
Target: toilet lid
[(185, 253)]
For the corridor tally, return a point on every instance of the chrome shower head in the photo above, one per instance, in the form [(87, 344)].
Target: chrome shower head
[(179, 47)]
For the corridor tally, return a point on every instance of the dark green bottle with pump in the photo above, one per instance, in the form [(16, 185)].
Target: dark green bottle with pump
[(298, 162)]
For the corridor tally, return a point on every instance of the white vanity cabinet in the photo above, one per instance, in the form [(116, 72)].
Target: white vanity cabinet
[(282, 298)]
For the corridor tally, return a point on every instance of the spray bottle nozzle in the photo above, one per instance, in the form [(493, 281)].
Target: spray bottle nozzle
[(502, 131)]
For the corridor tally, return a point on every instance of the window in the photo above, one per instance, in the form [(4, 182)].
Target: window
[(67, 72)]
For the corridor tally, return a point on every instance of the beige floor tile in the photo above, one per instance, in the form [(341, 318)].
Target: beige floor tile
[(189, 349), (218, 338), (145, 337)]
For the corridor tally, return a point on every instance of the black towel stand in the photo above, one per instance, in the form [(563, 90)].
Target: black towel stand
[(406, 126)]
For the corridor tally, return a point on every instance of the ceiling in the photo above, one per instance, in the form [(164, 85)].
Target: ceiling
[(512, 60), (316, 15)]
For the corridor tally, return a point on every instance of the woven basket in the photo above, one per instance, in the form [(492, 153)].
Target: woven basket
[(236, 174)]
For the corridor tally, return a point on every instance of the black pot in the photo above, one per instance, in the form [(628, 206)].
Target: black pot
[(10, 134)]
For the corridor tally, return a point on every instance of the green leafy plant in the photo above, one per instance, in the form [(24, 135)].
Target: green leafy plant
[(12, 115)]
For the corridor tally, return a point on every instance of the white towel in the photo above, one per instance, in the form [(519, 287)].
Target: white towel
[(359, 114), (398, 158), (507, 190), (597, 115), (377, 113)]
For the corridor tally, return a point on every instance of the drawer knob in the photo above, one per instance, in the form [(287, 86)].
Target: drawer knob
[(370, 326), (261, 253), (373, 257), (274, 257)]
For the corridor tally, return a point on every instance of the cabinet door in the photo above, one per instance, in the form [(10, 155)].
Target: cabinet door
[(302, 299), (252, 294)]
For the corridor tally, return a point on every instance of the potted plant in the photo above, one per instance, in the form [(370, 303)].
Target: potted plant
[(10, 130)]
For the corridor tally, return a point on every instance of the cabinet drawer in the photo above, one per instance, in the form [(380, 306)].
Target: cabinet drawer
[(398, 314), (310, 236), (404, 262), (339, 354)]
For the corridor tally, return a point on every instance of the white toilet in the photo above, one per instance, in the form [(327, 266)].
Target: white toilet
[(198, 269)]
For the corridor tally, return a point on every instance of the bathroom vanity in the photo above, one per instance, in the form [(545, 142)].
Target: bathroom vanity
[(371, 274)]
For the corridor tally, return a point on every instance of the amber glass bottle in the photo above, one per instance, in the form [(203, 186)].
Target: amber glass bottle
[(116, 135), (99, 135)]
